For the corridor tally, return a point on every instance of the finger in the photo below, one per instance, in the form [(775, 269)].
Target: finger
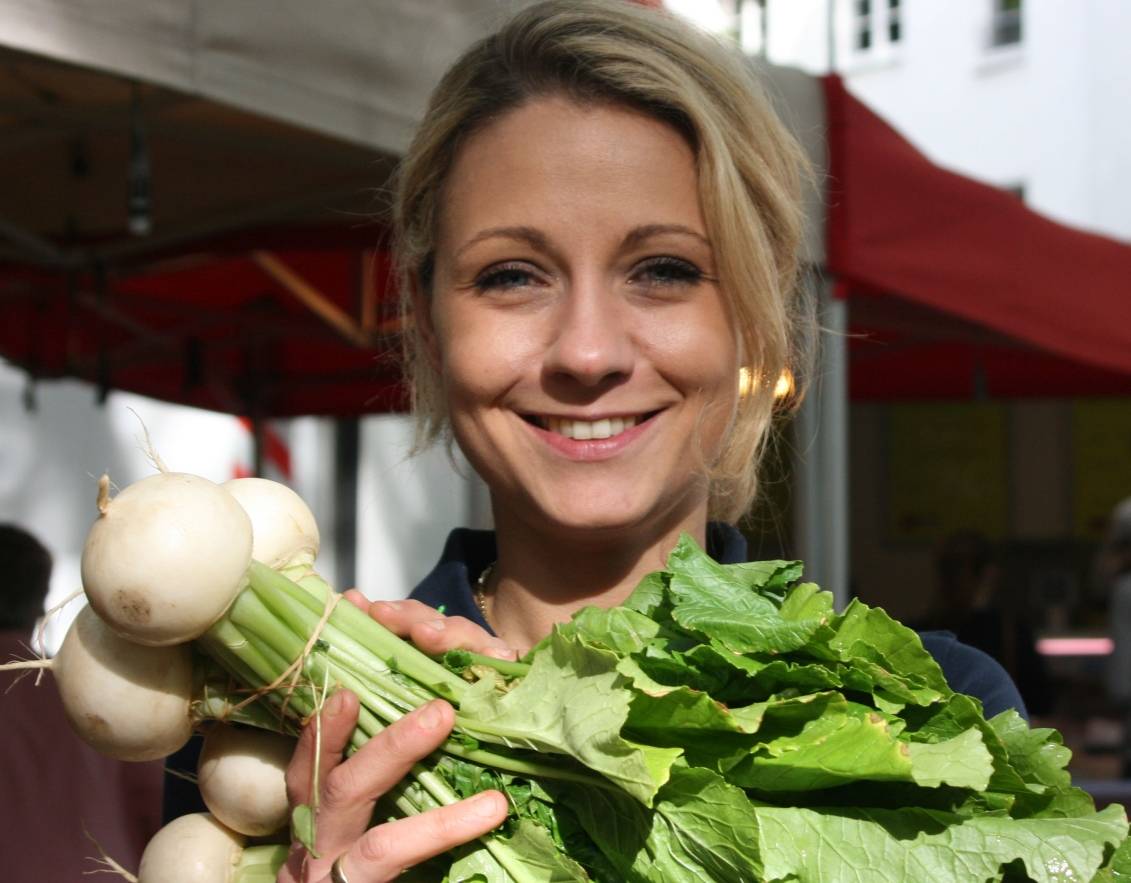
[(435, 633), (387, 850), (338, 719), (350, 791), (457, 632), (400, 616), (357, 599)]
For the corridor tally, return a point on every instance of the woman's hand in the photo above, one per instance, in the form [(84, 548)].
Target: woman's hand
[(349, 790), (432, 631)]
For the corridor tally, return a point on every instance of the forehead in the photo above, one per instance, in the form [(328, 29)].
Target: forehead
[(554, 162)]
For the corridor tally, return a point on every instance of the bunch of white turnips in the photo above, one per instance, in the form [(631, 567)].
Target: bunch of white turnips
[(161, 565)]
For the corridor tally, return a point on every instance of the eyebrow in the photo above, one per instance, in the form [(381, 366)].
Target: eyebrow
[(529, 235), (536, 240), (641, 234)]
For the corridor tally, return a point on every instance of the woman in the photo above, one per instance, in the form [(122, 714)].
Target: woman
[(598, 225)]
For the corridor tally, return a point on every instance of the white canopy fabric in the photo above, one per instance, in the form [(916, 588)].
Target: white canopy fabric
[(359, 70)]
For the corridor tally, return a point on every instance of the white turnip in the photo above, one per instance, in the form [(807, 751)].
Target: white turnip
[(191, 849), (284, 531), (125, 700), (241, 778), (166, 557)]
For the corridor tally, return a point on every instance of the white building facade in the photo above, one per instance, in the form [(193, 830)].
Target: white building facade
[(1029, 95)]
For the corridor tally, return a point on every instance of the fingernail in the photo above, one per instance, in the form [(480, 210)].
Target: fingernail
[(485, 806), (431, 716), (501, 653), (333, 705), (436, 625)]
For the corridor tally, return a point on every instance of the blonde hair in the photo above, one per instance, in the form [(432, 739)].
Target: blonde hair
[(749, 167)]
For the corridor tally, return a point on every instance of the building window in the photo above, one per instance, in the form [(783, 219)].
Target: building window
[(895, 25), (862, 25), (1005, 29), (875, 26)]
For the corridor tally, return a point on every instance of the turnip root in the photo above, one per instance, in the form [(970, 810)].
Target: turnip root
[(166, 557), (125, 700), (241, 778), (192, 849), (283, 527), (198, 849)]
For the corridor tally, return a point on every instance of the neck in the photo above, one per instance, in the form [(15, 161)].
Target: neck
[(544, 575)]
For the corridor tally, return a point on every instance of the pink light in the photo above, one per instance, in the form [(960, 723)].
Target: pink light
[(1075, 646)]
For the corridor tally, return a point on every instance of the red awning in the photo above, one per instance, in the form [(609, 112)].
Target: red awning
[(1030, 306), (305, 324)]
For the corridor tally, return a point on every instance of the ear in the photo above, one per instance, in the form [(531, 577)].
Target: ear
[(422, 317)]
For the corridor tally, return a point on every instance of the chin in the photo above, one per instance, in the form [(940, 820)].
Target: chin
[(604, 518)]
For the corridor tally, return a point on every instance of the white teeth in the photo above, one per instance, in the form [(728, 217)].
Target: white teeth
[(584, 430)]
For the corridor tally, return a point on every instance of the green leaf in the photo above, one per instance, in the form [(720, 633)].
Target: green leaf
[(848, 743), (1038, 755), (956, 715), (650, 597), (303, 827), (868, 635), (961, 762), (683, 717), (616, 628), (881, 846), (700, 829), (1118, 868), (528, 856), (730, 605), (573, 702), (807, 601)]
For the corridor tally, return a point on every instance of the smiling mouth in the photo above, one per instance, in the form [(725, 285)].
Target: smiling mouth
[(586, 430)]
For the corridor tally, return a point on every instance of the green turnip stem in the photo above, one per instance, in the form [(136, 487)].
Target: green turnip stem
[(343, 651), (263, 633), (377, 640), (274, 622), (260, 864), (230, 647), (506, 667)]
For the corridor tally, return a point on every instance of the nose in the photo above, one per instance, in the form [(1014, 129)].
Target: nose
[(592, 343)]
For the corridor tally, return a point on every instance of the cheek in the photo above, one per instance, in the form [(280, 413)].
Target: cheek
[(481, 356), (699, 353), (700, 356)]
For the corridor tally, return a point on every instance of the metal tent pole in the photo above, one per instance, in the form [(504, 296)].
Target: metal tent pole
[(821, 442)]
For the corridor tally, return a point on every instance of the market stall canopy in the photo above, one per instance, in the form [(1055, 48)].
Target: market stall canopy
[(956, 288), (193, 191)]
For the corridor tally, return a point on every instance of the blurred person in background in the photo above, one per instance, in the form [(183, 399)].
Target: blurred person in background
[(1113, 572), (970, 604), (55, 788)]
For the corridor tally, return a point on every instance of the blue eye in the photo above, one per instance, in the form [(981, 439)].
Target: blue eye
[(504, 278), (668, 271)]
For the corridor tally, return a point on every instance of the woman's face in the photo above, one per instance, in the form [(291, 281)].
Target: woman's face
[(587, 355)]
